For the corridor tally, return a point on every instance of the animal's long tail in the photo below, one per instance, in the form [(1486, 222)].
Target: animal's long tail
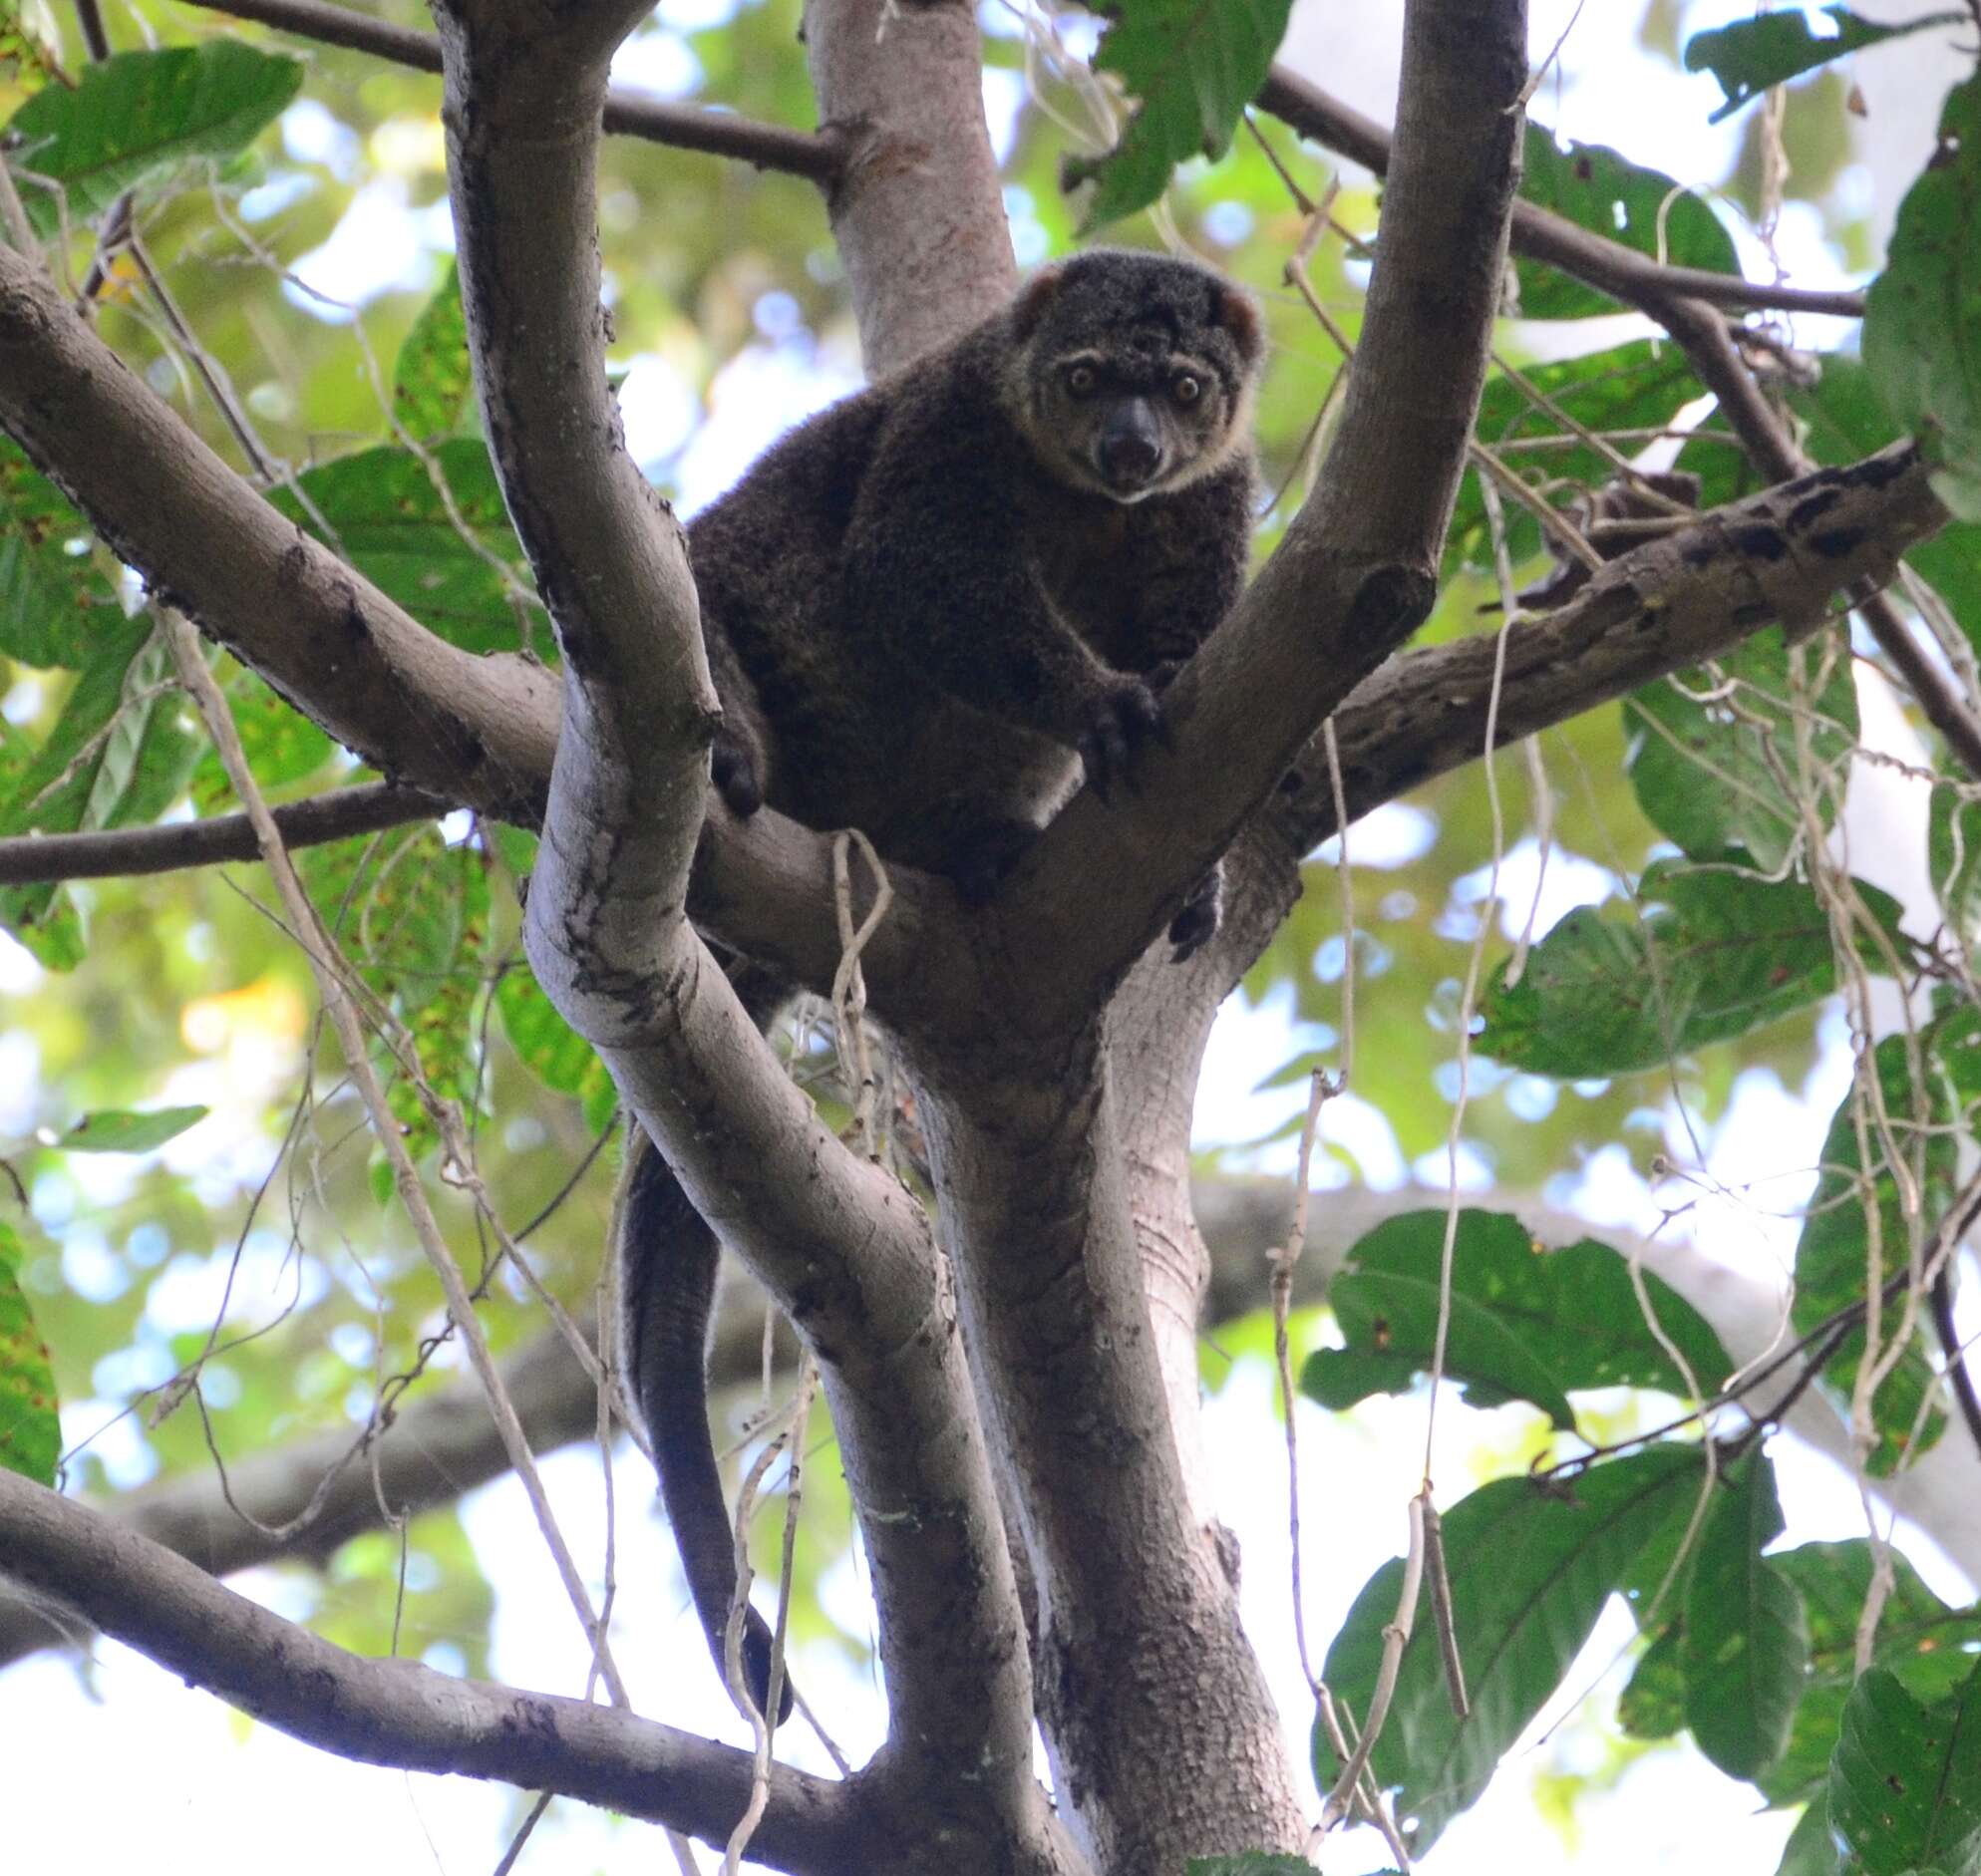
[(668, 1265)]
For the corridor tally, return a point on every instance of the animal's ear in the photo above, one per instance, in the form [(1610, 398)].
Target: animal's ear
[(1034, 297), (1238, 313)]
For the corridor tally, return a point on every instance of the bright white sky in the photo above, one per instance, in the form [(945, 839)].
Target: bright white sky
[(197, 1788)]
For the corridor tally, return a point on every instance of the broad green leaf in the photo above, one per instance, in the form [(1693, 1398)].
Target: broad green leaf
[(1746, 1646), (282, 745), (1919, 1638), (1719, 756), (1750, 56), (412, 913), (113, 1130), (136, 116), (1718, 954), (55, 596), (385, 516), (1811, 1849), (1630, 389), (432, 380), (547, 1045), (1531, 1566), (1922, 316), (1836, 1250), (1845, 422), (1598, 189), (30, 1429), (1192, 66), (1905, 1785), (1526, 1324), (443, 1018), (1652, 1705), (118, 754)]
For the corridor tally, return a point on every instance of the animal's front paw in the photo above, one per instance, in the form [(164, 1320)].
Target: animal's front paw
[(1120, 721), (1199, 916), (738, 778)]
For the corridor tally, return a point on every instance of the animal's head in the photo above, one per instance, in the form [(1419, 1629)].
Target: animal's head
[(1132, 373)]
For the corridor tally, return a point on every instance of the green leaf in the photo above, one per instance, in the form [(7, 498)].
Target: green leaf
[(1652, 1705), (1922, 316), (1750, 56), (1834, 1252), (443, 1017), (116, 1130), (1846, 421), (282, 745), (1811, 1849), (1635, 386), (118, 754), (137, 117), (1526, 1324), (1598, 189), (1725, 952), (30, 1427), (548, 1047), (1919, 1638), (1531, 1566), (413, 914), (1746, 1646), (1905, 1785), (1714, 756), (55, 595), (432, 380), (1192, 66), (387, 518)]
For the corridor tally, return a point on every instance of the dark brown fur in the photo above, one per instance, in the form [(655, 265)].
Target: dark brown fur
[(927, 611)]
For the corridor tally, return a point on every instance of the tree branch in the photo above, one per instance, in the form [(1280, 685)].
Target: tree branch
[(398, 1712), (1028, 1139), (1774, 451), (1542, 235), (475, 730), (817, 156), (1356, 571), (1683, 300), (478, 730), (31, 860), (917, 210), (443, 1443), (842, 1246), (1781, 555)]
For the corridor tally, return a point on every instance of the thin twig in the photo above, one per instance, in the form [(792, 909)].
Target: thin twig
[(334, 985), (36, 859), (819, 156)]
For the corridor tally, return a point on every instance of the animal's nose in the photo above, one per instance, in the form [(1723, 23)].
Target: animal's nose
[(1129, 458), (1130, 444)]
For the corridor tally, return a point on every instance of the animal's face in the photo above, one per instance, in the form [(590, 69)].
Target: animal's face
[(1135, 372)]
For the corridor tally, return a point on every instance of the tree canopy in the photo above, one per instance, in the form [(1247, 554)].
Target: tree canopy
[(1594, 757)]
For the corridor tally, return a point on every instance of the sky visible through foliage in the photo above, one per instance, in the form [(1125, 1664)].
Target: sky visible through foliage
[(721, 357)]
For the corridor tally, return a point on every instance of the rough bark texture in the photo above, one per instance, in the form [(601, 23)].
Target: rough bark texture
[(1045, 1477), (917, 209)]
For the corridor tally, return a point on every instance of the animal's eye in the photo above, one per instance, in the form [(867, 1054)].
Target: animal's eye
[(1187, 390), (1081, 380)]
